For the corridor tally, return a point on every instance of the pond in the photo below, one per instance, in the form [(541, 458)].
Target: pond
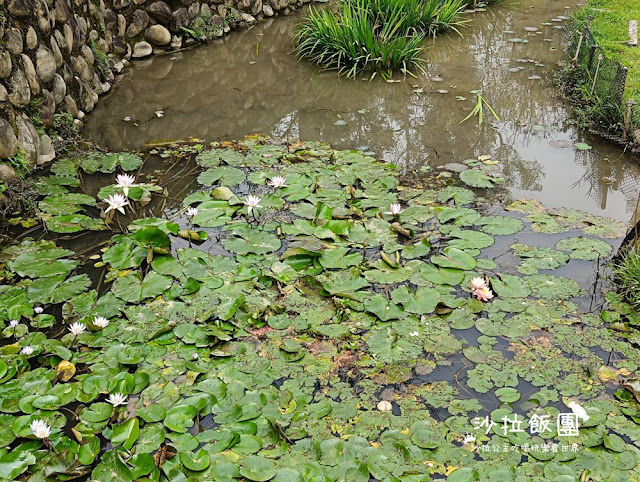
[(356, 320), (250, 82)]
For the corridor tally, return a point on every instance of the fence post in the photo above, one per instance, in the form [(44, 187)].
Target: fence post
[(595, 76), (623, 82), (574, 62), (591, 54), (627, 119)]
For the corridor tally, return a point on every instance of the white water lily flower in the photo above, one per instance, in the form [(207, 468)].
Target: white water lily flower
[(277, 181), (191, 212), (578, 410), (195, 356), (116, 399), (77, 328), (116, 201), (27, 350), (125, 181), (14, 323), (478, 283), (252, 202), (40, 428), (101, 322), (385, 406), (414, 333), (395, 209), (468, 438), (38, 310)]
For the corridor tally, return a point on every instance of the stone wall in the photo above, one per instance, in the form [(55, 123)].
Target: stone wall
[(58, 56)]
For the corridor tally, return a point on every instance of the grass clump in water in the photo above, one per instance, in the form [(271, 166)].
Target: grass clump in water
[(626, 274), (377, 35)]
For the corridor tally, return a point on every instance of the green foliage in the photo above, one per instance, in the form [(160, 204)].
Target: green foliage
[(376, 35), (100, 57), (626, 275), (20, 163), (202, 27)]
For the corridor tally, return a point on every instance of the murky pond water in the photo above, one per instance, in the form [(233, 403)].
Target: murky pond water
[(251, 82)]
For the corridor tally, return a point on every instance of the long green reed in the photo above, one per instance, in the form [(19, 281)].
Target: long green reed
[(376, 35)]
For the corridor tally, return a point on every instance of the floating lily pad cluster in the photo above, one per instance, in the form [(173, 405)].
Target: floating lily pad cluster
[(256, 344)]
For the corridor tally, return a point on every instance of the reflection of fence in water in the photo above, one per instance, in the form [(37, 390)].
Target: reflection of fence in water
[(603, 82)]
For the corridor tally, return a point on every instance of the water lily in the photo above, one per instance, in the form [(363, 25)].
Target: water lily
[(278, 181), (191, 212), (483, 294), (13, 323), (125, 181), (394, 209), (38, 310), (77, 328), (116, 399), (195, 356), (101, 322), (27, 350), (578, 410), (478, 283), (116, 201), (252, 202), (40, 428)]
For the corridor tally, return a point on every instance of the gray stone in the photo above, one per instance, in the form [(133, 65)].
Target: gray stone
[(119, 46), (5, 64), (267, 10), (222, 11), (70, 105), (158, 35), (110, 19), (193, 10), (21, 8), (47, 153), (120, 4), (59, 89), (80, 31), (45, 63), (205, 11), (250, 19), (28, 138), (176, 42), (14, 41), (179, 18), (46, 116), (60, 40), (82, 68), (32, 38), (160, 12), (138, 23), (8, 140), (141, 50), (45, 19), (4, 95), (6, 171), (87, 53), (49, 100), (122, 25), (19, 91), (68, 37), (30, 72), (88, 97), (256, 7), (62, 11), (57, 55)]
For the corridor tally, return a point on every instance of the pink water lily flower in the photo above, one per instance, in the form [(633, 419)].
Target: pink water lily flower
[(395, 209), (483, 294)]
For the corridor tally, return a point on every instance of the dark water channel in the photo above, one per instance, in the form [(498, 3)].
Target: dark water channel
[(250, 82)]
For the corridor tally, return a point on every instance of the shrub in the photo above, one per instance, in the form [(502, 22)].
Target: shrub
[(377, 35)]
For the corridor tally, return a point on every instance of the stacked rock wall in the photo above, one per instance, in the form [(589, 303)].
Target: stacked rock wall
[(58, 56)]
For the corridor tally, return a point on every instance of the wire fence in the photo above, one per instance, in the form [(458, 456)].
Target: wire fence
[(600, 81)]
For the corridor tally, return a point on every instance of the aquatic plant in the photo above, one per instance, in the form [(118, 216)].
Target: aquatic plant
[(626, 274), (478, 109), (376, 35), (302, 347)]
